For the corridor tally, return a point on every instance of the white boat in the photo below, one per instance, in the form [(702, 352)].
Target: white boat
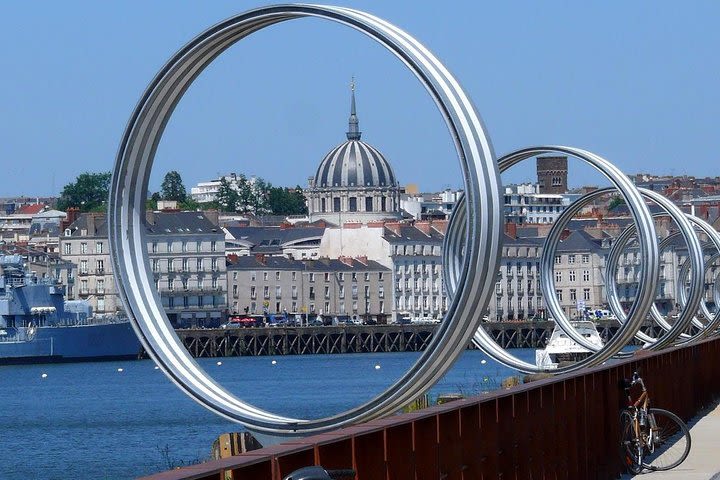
[(562, 348)]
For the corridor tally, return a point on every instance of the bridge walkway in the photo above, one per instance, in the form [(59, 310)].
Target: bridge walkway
[(703, 462)]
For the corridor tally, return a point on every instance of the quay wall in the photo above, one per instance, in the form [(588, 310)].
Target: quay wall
[(565, 427), (355, 338)]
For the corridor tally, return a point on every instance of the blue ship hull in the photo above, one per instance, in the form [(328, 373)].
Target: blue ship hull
[(73, 343)]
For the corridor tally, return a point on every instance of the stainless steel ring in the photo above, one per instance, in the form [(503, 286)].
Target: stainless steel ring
[(126, 213), (672, 332), (453, 248)]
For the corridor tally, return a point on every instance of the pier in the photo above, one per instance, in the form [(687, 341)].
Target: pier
[(356, 338), (565, 427)]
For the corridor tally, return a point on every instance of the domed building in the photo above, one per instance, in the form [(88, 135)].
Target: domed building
[(354, 182)]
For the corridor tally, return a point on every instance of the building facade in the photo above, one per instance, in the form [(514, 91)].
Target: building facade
[(356, 288), (186, 252)]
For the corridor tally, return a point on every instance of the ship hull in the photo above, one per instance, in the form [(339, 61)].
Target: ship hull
[(76, 343)]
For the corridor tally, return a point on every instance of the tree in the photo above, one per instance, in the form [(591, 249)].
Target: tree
[(615, 202), (286, 201), (227, 197), (88, 193), (172, 187)]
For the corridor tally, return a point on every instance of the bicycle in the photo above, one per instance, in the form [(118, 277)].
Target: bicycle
[(319, 473), (652, 438)]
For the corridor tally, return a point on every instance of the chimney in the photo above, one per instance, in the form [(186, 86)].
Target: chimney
[(363, 259), (393, 227), (423, 226), (346, 260), (260, 258), (213, 216), (511, 230), (91, 224), (565, 234)]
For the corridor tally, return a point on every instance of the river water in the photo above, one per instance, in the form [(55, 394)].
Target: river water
[(92, 421)]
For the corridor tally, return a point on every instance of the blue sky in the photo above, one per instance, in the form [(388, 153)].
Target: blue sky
[(636, 82)]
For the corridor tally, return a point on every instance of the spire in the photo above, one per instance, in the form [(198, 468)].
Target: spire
[(353, 132)]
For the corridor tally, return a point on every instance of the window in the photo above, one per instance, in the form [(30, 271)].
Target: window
[(101, 304), (294, 291), (354, 307), (354, 291), (171, 284), (312, 295), (185, 284), (571, 274), (354, 277), (253, 276), (214, 283), (367, 291), (154, 247), (322, 205), (558, 294), (327, 292), (199, 265), (201, 284), (278, 291), (341, 276), (367, 276), (327, 277), (586, 294), (169, 246), (253, 294), (341, 291), (171, 265), (558, 259), (382, 306), (327, 307), (83, 266), (381, 291), (586, 258), (184, 246), (185, 267), (83, 247), (213, 246), (336, 204), (84, 287), (67, 248), (100, 285), (380, 276), (99, 267), (294, 276), (368, 204), (573, 294), (214, 265), (571, 259), (266, 292), (235, 290), (586, 275), (155, 265), (353, 204), (558, 276), (198, 246), (312, 277)]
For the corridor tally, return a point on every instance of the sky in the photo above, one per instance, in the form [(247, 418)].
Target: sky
[(636, 82)]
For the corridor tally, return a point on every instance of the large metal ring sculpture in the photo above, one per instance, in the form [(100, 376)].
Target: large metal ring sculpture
[(126, 216)]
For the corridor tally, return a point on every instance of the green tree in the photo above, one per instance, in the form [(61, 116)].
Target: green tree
[(286, 201), (172, 187), (615, 202), (89, 192), (227, 197)]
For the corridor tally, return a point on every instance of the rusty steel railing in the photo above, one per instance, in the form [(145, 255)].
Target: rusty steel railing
[(565, 427)]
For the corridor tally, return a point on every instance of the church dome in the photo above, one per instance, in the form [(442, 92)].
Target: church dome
[(354, 163)]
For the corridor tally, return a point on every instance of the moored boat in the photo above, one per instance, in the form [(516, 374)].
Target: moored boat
[(37, 325)]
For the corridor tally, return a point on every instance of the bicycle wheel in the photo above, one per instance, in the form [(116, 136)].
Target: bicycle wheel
[(630, 446), (670, 441)]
